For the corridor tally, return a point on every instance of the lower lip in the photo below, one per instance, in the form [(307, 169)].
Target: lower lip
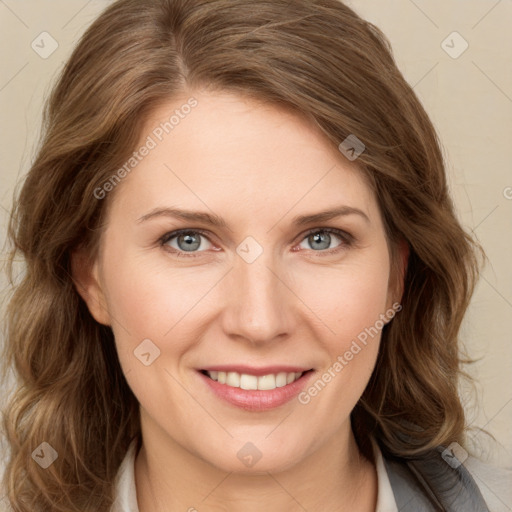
[(255, 399)]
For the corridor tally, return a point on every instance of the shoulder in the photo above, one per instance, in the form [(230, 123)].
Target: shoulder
[(439, 481), (495, 483)]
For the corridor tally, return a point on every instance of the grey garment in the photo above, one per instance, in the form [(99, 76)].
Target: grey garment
[(433, 483)]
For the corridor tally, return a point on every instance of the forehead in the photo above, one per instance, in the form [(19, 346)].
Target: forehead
[(232, 151)]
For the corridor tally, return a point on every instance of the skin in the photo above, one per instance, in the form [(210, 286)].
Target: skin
[(257, 167)]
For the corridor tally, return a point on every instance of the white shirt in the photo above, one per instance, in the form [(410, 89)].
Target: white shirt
[(126, 495), (493, 482)]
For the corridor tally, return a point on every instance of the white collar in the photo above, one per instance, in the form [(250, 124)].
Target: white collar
[(385, 497), (126, 494)]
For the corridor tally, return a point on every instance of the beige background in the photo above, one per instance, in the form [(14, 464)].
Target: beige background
[(468, 97)]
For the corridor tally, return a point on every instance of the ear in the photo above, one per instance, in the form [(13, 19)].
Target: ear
[(399, 268), (86, 280)]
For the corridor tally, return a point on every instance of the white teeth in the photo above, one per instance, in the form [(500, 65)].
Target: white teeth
[(233, 379), (281, 379), (248, 381), (266, 382), (252, 382)]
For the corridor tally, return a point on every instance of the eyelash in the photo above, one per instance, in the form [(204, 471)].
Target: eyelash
[(346, 238)]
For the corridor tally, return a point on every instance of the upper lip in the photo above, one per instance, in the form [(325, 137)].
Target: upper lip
[(251, 370)]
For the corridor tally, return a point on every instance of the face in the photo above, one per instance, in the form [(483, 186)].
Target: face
[(215, 256)]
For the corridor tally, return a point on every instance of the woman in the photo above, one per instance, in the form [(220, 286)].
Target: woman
[(245, 277)]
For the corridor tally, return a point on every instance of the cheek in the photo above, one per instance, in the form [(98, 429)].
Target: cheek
[(349, 302), (346, 299), (149, 299), (349, 305), (155, 302)]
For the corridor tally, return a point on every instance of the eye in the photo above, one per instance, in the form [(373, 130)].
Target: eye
[(186, 241), (322, 239)]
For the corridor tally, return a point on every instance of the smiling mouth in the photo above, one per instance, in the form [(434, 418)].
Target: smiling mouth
[(253, 382)]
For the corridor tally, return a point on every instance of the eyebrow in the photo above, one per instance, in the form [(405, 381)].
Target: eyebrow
[(326, 215), (215, 220), (204, 217)]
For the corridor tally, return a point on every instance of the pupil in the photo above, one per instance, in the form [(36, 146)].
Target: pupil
[(321, 240), (192, 242)]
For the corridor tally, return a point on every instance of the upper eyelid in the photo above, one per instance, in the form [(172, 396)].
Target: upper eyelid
[(177, 232)]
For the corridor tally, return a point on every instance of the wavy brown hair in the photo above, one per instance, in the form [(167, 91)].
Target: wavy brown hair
[(317, 58)]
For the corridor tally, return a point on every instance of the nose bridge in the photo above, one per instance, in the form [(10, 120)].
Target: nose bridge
[(258, 307)]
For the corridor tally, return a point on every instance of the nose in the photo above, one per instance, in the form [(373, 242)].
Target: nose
[(259, 305)]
